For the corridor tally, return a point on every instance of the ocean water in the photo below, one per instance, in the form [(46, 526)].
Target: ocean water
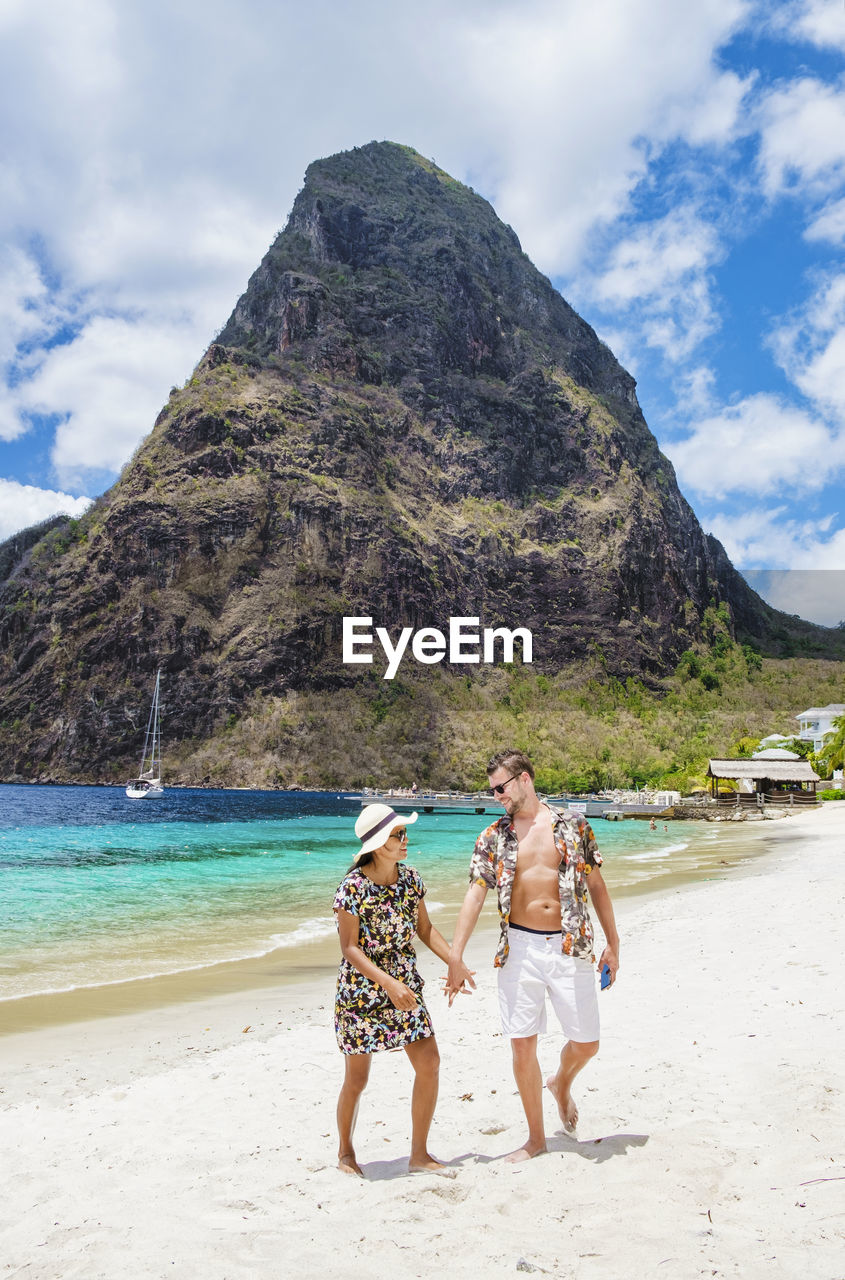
[(98, 889)]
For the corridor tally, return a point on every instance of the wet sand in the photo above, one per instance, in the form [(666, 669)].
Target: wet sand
[(736, 846)]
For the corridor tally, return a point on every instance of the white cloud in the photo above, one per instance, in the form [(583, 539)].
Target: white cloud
[(760, 445), (22, 505), (818, 21), (25, 312), (718, 115), (810, 346), (829, 224), (151, 101), (802, 138), (658, 278), (657, 257), (107, 385), (11, 423), (570, 94), (21, 291), (696, 389), (777, 538)]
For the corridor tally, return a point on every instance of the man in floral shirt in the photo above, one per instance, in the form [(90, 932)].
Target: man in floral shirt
[(543, 864)]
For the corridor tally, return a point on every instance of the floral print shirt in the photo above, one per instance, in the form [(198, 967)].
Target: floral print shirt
[(494, 865)]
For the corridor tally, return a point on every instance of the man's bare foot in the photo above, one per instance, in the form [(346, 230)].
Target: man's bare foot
[(526, 1152), (428, 1164), (566, 1107), (348, 1164)]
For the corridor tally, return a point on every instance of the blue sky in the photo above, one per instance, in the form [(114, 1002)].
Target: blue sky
[(677, 170)]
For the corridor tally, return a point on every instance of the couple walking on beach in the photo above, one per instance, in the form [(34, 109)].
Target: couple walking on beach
[(544, 864)]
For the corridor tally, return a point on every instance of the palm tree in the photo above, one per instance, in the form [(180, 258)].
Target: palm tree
[(832, 754)]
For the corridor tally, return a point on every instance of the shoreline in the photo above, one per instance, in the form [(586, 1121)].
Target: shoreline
[(277, 974), (282, 967)]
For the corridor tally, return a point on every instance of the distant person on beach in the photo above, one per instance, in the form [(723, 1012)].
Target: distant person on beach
[(379, 906), (543, 863)]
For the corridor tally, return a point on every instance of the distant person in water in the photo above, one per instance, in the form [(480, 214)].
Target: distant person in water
[(379, 906), (543, 862)]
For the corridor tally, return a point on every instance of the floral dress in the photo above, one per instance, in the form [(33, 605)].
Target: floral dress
[(365, 1019)]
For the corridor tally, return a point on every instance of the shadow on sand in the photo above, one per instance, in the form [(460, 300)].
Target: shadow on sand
[(385, 1170), (596, 1149)]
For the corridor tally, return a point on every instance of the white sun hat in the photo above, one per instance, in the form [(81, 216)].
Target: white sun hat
[(374, 825)]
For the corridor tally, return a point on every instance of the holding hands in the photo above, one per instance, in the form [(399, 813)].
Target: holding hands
[(459, 979)]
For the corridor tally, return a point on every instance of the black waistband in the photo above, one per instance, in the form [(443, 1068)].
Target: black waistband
[(544, 933)]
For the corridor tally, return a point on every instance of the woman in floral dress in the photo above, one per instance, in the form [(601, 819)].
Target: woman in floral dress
[(379, 907)]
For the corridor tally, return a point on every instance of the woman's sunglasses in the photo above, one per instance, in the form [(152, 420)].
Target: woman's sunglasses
[(400, 833)]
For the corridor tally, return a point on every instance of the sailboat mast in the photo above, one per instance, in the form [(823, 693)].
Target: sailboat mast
[(150, 737), (155, 761)]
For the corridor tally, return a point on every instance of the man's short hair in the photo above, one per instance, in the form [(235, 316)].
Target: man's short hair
[(512, 760)]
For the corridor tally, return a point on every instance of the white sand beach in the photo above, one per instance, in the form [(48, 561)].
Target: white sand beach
[(198, 1140)]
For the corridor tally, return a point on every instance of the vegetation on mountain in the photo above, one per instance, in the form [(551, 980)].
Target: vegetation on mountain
[(585, 728), (401, 419)]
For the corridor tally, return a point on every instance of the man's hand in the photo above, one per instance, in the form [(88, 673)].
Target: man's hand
[(609, 958), (457, 979)]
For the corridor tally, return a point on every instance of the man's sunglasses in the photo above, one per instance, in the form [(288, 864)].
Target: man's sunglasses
[(499, 789)]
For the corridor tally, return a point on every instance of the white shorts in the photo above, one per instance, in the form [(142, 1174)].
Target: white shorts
[(535, 965)]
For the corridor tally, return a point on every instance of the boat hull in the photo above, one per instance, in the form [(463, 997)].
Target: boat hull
[(141, 789)]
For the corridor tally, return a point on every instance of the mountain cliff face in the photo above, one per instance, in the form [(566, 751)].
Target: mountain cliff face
[(401, 419)]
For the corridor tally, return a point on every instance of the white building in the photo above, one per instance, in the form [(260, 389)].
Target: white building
[(815, 724)]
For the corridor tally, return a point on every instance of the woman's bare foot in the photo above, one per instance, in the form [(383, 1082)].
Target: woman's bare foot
[(348, 1164), (567, 1109), (428, 1164), (527, 1151)]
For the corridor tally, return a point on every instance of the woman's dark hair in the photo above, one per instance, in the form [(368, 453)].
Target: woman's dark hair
[(362, 862)]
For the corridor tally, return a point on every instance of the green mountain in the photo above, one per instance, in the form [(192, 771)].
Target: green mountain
[(401, 420)]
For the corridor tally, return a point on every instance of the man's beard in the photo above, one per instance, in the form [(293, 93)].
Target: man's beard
[(517, 805)]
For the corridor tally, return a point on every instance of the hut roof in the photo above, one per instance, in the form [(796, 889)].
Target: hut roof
[(773, 770), (775, 753)]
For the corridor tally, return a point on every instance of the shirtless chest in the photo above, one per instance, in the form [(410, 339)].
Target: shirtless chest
[(535, 899)]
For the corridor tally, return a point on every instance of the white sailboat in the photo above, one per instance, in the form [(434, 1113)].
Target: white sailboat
[(148, 782)]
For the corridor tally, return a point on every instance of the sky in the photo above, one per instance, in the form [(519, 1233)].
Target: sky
[(678, 171)]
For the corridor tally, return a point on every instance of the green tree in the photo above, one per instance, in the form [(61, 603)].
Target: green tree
[(832, 754), (689, 665)]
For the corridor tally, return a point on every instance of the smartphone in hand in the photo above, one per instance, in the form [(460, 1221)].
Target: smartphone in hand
[(605, 977)]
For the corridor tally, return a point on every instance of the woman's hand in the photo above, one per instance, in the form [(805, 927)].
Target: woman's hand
[(401, 997), (459, 979)]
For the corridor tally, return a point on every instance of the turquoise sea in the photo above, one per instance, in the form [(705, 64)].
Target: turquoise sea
[(98, 889)]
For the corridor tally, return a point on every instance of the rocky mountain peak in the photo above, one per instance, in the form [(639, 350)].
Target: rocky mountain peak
[(401, 419), (384, 248)]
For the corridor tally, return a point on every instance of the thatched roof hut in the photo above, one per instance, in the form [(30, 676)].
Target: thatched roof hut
[(766, 775)]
